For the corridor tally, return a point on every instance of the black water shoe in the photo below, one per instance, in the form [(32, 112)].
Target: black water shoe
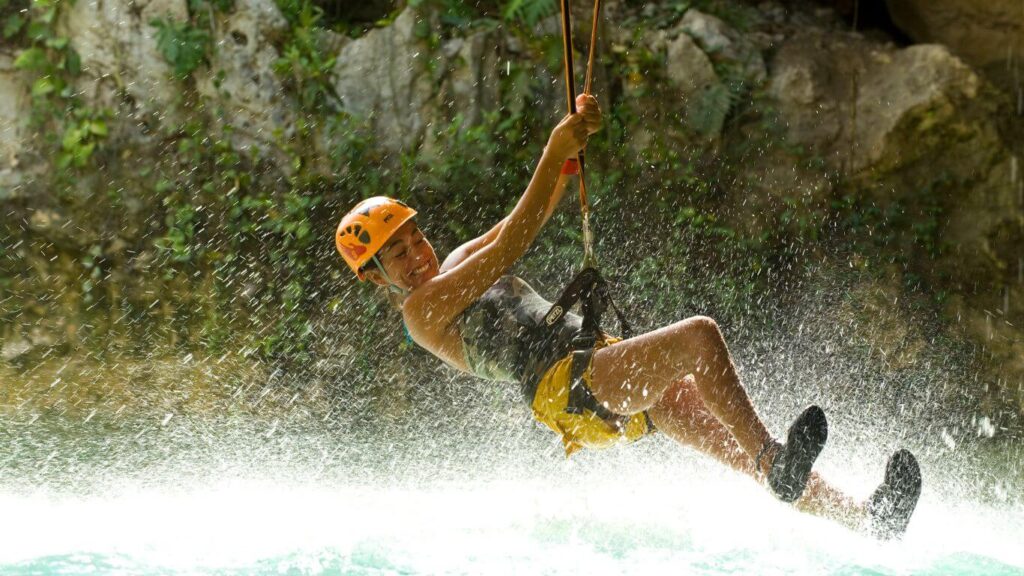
[(792, 464), (892, 504)]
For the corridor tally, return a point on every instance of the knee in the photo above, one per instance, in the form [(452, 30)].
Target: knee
[(702, 338), (683, 395)]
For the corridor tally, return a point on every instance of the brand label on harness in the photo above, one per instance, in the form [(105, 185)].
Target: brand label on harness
[(553, 316)]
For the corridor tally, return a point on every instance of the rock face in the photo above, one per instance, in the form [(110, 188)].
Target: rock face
[(916, 129), (724, 44), (913, 103), (472, 69), (703, 95), (698, 51), (406, 93), (982, 32), (240, 82), (120, 57), (384, 77), (15, 107), (869, 109), (119, 52)]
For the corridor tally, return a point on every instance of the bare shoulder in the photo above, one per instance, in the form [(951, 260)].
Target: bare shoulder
[(431, 326)]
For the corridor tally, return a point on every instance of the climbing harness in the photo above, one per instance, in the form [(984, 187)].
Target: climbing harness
[(588, 287)]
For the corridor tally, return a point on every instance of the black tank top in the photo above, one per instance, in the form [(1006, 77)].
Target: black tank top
[(500, 339)]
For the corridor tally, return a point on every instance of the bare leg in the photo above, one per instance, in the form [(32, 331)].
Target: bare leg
[(682, 415), (821, 499), (633, 375)]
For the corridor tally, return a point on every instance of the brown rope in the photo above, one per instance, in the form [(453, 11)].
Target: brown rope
[(570, 87), (593, 46)]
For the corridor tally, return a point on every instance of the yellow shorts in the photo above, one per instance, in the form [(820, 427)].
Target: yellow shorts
[(584, 429)]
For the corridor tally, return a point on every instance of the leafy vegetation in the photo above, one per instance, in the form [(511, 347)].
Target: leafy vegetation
[(73, 130), (12, 17), (183, 45), (529, 12)]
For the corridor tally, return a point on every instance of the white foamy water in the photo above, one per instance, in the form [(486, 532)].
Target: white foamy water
[(683, 520)]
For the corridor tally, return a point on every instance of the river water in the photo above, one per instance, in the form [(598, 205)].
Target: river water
[(171, 467), (234, 498)]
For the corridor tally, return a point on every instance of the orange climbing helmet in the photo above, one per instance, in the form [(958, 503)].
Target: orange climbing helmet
[(367, 227)]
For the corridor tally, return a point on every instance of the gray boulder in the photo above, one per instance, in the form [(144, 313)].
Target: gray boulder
[(982, 32), (240, 85), (119, 53), (385, 79), (870, 109), (725, 45), (704, 98), (917, 129), (471, 84), (409, 95), (916, 102), (707, 65)]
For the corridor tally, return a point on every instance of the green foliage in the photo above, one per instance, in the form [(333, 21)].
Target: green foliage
[(12, 17), (181, 231), (74, 130), (92, 262), (529, 12), (656, 15), (252, 252), (198, 7), (84, 131), (187, 45), (304, 63), (454, 14), (708, 111), (48, 57), (293, 10), (665, 14), (183, 45)]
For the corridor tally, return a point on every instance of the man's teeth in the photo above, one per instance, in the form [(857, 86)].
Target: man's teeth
[(420, 270)]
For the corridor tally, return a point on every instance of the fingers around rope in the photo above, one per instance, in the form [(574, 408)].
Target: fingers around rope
[(572, 120), (590, 111)]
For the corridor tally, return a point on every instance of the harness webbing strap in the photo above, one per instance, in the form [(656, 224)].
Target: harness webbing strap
[(582, 399), (589, 288)]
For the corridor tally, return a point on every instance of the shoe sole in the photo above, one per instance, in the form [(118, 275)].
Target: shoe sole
[(804, 442), (893, 503)]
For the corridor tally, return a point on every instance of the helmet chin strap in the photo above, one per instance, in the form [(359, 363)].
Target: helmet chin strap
[(392, 287), (395, 290)]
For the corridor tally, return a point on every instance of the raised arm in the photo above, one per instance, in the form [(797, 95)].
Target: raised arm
[(464, 251), (591, 112), (431, 310)]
